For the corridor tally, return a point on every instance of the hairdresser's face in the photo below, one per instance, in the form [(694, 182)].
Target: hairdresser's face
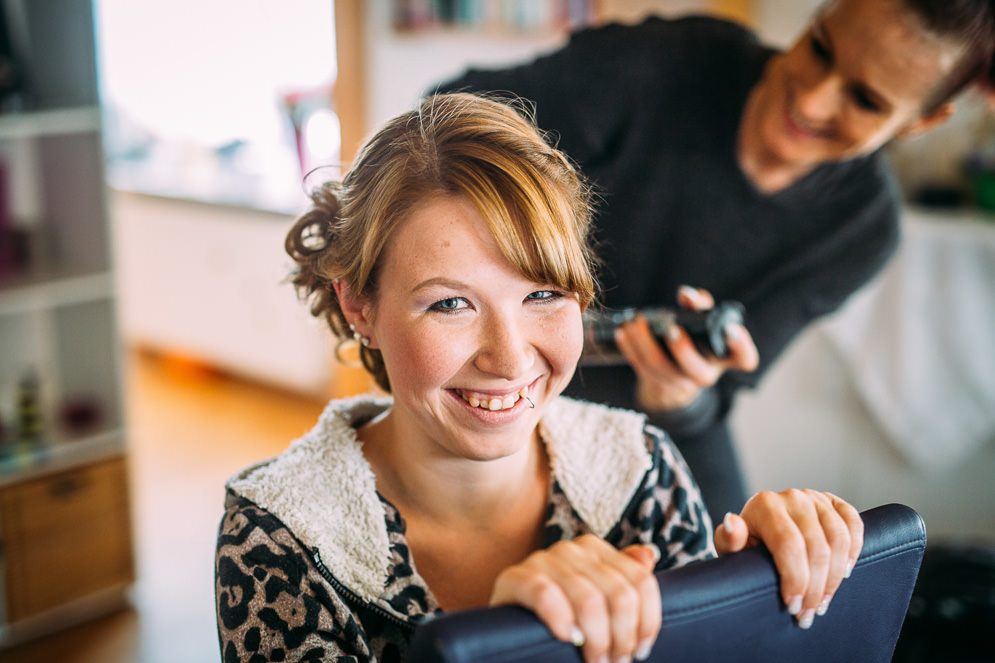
[(854, 80), (464, 336)]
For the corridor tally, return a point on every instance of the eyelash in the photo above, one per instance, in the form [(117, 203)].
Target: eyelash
[(819, 49), (822, 53), (865, 102), (547, 296)]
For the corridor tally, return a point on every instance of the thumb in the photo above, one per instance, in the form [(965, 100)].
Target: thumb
[(647, 554), (732, 535)]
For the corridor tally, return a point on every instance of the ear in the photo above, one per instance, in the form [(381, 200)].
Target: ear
[(355, 308), (927, 122)]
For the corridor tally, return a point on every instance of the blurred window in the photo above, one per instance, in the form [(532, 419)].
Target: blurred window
[(226, 101)]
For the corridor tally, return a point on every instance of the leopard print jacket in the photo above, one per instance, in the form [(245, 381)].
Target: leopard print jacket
[(286, 590)]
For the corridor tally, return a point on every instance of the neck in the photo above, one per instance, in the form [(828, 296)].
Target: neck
[(426, 484)]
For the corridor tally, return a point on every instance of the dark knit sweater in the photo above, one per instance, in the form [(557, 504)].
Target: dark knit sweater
[(650, 113)]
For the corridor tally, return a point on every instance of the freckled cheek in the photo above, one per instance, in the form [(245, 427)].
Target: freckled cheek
[(564, 348), (429, 359)]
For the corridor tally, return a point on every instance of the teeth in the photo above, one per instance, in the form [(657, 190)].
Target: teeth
[(495, 403)]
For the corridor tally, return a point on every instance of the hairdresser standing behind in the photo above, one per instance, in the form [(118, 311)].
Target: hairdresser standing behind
[(750, 174)]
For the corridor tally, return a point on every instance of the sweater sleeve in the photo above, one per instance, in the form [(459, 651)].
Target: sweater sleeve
[(271, 604)]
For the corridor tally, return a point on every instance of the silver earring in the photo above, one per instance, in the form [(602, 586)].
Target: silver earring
[(359, 338)]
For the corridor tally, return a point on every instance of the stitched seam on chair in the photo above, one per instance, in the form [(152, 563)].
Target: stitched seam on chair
[(889, 552), (898, 549), (760, 592)]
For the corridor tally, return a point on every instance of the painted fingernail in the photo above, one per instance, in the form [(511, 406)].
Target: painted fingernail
[(688, 292), (644, 649), (727, 521), (824, 605), (655, 549), (623, 659), (806, 619), (734, 332), (795, 605), (849, 568), (673, 333), (577, 637)]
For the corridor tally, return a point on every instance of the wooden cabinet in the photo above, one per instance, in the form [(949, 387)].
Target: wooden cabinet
[(66, 536)]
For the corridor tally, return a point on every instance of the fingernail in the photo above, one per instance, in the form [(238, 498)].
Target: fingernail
[(849, 568), (673, 332), (576, 636), (734, 332), (643, 649), (727, 520), (623, 659), (795, 605), (656, 551), (602, 659), (688, 292), (824, 605), (806, 619)]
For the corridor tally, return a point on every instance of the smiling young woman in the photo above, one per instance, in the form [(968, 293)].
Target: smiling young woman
[(455, 253)]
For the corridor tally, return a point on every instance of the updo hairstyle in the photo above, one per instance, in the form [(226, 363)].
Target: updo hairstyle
[(535, 203)]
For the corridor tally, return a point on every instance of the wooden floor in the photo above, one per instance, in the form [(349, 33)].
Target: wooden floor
[(189, 430)]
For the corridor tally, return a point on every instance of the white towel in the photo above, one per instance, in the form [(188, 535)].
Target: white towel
[(919, 341)]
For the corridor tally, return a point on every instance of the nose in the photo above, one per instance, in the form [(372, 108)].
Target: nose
[(505, 349), (818, 98)]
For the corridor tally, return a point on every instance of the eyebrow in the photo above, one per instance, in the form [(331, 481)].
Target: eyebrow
[(819, 31), (438, 281)]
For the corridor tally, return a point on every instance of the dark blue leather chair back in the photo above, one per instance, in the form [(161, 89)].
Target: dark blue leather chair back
[(726, 609)]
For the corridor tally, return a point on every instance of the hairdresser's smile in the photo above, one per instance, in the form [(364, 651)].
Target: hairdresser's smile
[(858, 77), (474, 349)]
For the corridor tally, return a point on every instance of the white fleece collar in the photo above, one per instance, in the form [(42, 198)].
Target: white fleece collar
[(323, 489)]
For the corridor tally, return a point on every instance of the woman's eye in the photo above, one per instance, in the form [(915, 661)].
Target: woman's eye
[(865, 102), (449, 304), (543, 295)]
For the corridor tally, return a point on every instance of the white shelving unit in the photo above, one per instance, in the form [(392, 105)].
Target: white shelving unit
[(63, 484)]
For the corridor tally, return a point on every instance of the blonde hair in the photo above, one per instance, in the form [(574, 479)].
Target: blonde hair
[(535, 203)]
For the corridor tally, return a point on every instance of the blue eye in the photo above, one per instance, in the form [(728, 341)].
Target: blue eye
[(449, 304), (543, 295)]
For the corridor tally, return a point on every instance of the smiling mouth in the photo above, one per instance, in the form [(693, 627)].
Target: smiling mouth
[(800, 126), (492, 402)]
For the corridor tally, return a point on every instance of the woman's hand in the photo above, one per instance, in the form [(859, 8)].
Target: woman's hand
[(815, 539), (665, 384), (589, 593)]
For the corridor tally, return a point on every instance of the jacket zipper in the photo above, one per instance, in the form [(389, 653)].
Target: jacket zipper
[(353, 598)]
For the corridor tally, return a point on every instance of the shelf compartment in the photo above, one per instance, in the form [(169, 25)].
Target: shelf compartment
[(56, 122)]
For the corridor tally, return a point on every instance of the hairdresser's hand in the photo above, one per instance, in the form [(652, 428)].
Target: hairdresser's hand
[(605, 600), (815, 539), (665, 384)]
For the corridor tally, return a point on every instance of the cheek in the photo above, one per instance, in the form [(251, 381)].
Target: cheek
[(565, 340), (418, 355), (864, 134)]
